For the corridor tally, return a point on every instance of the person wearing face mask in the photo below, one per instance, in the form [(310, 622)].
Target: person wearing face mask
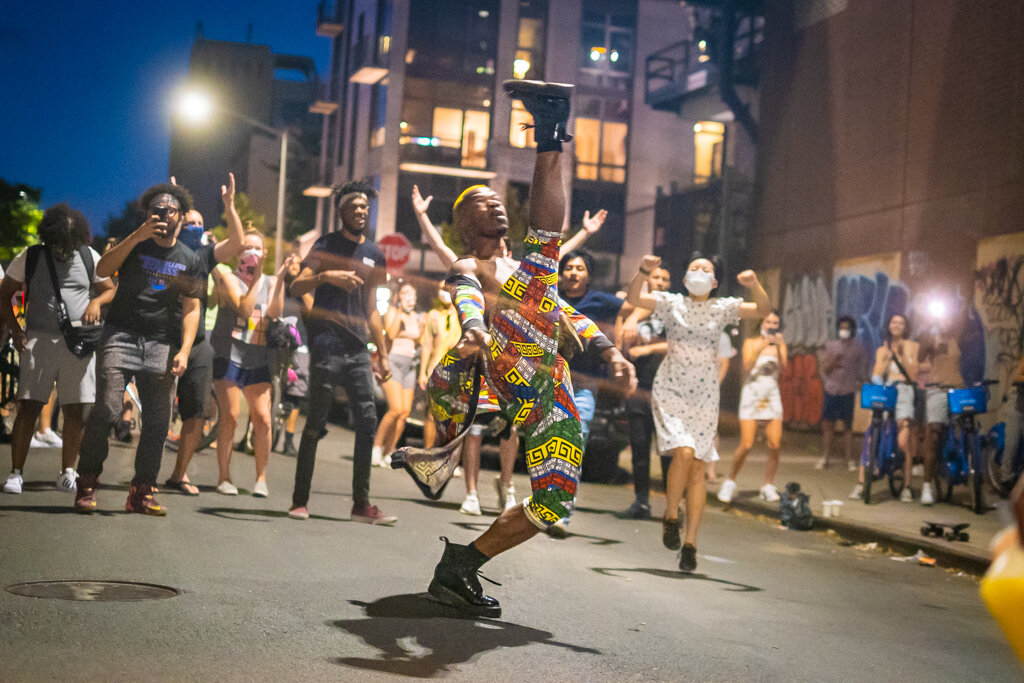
[(685, 391), (194, 386), (343, 271), (247, 302), (844, 367), (764, 357), (149, 332), (404, 327)]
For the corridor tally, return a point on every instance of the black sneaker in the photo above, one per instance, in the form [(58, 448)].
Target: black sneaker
[(670, 533), (638, 510), (688, 558), (123, 431), (547, 103)]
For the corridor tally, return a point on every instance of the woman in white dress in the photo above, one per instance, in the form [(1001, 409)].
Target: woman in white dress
[(685, 391), (764, 358)]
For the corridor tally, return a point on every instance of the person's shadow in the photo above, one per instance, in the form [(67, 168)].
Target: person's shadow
[(419, 637)]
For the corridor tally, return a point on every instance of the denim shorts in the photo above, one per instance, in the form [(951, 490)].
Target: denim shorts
[(236, 374)]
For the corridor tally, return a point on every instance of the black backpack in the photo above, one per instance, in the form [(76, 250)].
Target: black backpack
[(795, 508)]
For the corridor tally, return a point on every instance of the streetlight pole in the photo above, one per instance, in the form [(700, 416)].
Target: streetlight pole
[(199, 104)]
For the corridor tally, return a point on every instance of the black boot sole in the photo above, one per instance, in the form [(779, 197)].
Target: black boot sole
[(446, 596), (516, 88)]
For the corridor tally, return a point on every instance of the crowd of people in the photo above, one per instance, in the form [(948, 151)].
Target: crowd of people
[(93, 326)]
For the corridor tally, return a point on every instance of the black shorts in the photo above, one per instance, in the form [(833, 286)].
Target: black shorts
[(236, 374), (194, 385), (838, 408)]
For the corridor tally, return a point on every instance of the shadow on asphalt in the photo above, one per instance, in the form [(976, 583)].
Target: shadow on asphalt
[(243, 515), (678, 575), (418, 637), (43, 509)]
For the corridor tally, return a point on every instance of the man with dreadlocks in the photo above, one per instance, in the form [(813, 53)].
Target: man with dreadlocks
[(343, 270), (510, 315)]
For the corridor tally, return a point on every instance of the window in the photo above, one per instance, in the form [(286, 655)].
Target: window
[(707, 147), (602, 131), (517, 135), (448, 126), (378, 101), (607, 44), (529, 58), (453, 40)]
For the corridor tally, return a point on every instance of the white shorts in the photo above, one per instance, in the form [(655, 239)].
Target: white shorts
[(937, 406), (904, 402), (46, 361)]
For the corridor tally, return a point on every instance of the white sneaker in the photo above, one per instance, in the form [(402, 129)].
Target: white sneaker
[(226, 488), (376, 455), (67, 480), (769, 493), (50, 437), (726, 492), (907, 496), (260, 489), (927, 495), (917, 470), (857, 493), (385, 462), (821, 464), (506, 494), (470, 506), (458, 471), (852, 466), (14, 482), (37, 443)]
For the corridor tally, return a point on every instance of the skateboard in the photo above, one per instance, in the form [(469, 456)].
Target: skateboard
[(952, 532)]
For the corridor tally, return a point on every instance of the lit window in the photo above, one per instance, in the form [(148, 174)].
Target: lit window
[(517, 136), (707, 147), (529, 55), (600, 143)]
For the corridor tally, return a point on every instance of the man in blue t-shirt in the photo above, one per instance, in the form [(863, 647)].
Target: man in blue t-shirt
[(343, 270), (574, 271)]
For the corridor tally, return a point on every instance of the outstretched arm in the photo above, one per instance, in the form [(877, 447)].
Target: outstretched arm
[(591, 224), (635, 294), (431, 234), (761, 305), (232, 246)]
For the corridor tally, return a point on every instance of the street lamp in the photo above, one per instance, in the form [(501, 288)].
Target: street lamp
[(196, 106)]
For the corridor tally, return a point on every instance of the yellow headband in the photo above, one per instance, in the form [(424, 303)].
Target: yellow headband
[(455, 207)]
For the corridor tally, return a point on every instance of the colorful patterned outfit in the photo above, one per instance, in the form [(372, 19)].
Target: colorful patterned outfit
[(525, 372)]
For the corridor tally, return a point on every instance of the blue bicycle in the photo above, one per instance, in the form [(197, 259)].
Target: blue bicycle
[(1003, 479), (960, 460), (881, 455)]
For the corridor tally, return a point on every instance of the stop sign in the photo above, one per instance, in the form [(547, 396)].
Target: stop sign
[(396, 248)]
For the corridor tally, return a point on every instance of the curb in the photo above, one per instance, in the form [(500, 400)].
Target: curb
[(948, 554)]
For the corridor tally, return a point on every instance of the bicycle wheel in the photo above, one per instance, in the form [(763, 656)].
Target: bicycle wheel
[(992, 457), (975, 475), (874, 453)]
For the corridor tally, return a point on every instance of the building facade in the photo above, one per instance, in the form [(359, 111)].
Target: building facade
[(417, 86)]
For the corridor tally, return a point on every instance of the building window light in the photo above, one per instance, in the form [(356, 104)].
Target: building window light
[(596, 53), (520, 67)]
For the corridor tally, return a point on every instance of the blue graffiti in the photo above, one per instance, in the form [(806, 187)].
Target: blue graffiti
[(870, 302)]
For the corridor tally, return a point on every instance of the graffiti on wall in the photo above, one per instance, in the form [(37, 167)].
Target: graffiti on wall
[(999, 300)]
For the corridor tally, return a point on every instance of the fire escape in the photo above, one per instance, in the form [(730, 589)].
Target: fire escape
[(711, 77)]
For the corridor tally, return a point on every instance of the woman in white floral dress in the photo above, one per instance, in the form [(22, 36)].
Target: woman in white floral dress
[(685, 391)]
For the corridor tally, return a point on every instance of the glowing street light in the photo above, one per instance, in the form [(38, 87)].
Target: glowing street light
[(196, 106)]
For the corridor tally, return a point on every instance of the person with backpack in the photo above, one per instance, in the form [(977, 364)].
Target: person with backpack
[(63, 296)]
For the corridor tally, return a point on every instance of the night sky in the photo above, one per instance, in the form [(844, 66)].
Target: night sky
[(85, 87)]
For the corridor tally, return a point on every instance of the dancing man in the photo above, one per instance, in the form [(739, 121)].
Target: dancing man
[(510, 321)]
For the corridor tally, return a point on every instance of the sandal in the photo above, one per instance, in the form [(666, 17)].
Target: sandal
[(186, 487)]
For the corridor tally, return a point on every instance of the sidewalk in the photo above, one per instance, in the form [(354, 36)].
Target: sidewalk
[(886, 521)]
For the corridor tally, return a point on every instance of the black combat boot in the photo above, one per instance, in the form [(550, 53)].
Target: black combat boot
[(455, 581), (548, 104)]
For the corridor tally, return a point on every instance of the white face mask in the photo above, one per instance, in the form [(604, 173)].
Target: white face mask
[(444, 296), (698, 282), (844, 334)]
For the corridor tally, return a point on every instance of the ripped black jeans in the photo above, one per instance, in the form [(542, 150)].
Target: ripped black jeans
[(332, 366)]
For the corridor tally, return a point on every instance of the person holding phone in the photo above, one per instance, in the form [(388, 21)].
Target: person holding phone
[(764, 358)]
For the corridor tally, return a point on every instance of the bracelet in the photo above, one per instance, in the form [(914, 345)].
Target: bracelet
[(645, 272)]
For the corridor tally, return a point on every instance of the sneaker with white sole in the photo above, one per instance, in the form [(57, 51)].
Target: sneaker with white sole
[(51, 438), (300, 512), (376, 455), (67, 480), (371, 514), (470, 506), (260, 489), (857, 493), (37, 443), (506, 494), (14, 482), (226, 488), (727, 491), (852, 466), (927, 494), (769, 493), (917, 470), (907, 496), (821, 464)]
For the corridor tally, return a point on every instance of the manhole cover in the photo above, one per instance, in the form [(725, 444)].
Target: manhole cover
[(99, 591)]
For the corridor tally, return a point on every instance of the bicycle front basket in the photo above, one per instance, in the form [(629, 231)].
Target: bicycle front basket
[(878, 397), (970, 400)]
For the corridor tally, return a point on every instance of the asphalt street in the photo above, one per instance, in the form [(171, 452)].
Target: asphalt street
[(265, 597)]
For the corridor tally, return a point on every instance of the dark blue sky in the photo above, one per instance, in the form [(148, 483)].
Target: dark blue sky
[(85, 87)]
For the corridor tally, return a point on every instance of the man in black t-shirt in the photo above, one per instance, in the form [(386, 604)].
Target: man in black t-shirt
[(148, 334), (344, 270), (194, 385)]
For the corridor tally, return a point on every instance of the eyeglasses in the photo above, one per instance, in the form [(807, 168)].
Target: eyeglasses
[(164, 210)]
